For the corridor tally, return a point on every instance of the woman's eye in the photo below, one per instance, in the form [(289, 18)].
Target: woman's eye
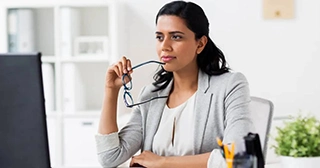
[(159, 38), (176, 37)]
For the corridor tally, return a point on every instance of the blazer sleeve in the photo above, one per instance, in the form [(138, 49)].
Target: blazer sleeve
[(237, 120), (116, 148)]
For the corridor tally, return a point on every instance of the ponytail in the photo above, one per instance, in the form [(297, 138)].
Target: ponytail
[(211, 60)]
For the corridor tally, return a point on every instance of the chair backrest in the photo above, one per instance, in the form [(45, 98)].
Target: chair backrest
[(261, 114)]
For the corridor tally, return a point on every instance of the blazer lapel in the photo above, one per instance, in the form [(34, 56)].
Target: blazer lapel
[(202, 108), (155, 114)]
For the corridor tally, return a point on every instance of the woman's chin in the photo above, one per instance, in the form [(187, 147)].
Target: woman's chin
[(168, 69)]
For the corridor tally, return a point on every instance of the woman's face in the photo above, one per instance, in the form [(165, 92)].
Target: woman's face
[(176, 44)]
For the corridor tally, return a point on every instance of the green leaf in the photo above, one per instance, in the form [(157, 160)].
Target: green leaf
[(298, 138)]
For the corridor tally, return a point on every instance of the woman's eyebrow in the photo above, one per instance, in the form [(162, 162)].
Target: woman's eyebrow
[(175, 32), (172, 32)]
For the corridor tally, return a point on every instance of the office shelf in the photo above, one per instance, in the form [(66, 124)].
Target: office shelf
[(76, 59), (83, 114), (48, 59), (78, 41)]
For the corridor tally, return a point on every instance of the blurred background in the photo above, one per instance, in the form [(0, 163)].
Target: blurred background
[(275, 45)]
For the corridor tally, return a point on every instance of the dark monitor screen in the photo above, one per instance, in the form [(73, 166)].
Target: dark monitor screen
[(23, 129)]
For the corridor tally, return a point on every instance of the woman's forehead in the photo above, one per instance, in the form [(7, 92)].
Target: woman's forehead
[(171, 23)]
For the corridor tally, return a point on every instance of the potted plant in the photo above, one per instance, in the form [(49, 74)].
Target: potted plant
[(298, 142)]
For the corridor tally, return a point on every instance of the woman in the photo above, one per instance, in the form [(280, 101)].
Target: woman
[(204, 100)]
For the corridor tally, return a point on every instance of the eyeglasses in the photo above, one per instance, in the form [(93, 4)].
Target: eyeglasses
[(127, 87)]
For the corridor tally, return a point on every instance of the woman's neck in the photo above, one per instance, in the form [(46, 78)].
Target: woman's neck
[(185, 81)]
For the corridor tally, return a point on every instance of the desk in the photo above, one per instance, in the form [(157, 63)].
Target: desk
[(273, 165), (276, 165)]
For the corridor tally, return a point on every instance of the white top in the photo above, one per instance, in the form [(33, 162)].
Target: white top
[(175, 132)]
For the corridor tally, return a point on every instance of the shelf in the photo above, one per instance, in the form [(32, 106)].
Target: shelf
[(26, 4), (86, 3), (79, 136), (89, 25), (50, 3), (78, 114), (83, 114), (48, 59), (77, 24), (91, 59), (30, 30), (78, 40), (83, 85), (52, 114)]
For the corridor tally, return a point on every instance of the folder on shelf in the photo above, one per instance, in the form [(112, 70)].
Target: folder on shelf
[(12, 30), (21, 35), (68, 88), (48, 84), (73, 89), (70, 25)]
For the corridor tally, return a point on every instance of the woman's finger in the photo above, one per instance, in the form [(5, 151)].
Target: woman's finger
[(120, 68), (124, 64), (129, 66), (116, 69), (131, 162), (136, 162)]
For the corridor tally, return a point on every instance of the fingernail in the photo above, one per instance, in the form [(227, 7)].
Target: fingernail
[(124, 71), (129, 69)]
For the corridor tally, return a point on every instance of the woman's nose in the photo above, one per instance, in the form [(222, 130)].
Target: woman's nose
[(166, 45)]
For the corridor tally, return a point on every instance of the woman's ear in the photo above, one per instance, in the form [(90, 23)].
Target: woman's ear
[(202, 43)]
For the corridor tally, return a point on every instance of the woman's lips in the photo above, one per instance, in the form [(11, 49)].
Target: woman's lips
[(167, 58)]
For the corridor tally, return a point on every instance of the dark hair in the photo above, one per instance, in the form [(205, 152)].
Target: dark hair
[(211, 60)]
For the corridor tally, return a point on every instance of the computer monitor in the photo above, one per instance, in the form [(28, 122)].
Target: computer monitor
[(23, 129)]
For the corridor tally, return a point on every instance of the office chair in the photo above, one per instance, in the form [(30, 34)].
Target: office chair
[(261, 114)]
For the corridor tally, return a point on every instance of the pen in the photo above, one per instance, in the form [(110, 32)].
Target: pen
[(232, 153), (221, 145), (229, 154)]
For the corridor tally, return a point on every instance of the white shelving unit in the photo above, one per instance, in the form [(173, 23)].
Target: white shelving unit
[(73, 83)]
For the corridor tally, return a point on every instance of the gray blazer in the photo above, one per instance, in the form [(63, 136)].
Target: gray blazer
[(221, 111)]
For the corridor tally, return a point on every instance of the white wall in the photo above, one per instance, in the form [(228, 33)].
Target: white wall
[(279, 57)]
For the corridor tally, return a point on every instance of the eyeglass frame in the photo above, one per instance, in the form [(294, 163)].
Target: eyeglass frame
[(127, 89)]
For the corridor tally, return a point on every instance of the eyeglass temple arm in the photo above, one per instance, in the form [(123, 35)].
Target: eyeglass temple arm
[(144, 63), (148, 62), (153, 98)]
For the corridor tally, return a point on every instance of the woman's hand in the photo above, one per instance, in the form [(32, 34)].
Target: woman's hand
[(148, 159), (113, 82), (115, 72)]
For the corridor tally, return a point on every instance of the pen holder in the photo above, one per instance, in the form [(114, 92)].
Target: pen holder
[(242, 161)]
